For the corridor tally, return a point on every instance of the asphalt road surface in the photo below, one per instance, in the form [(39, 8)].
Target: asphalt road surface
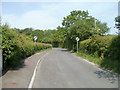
[(60, 68)]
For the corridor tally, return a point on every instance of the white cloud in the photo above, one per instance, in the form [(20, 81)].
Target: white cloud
[(60, 0), (10, 19), (35, 19), (49, 16)]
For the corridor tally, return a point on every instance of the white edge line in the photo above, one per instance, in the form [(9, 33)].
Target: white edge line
[(34, 73)]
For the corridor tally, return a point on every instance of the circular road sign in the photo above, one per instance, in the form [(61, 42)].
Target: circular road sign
[(35, 38), (77, 39)]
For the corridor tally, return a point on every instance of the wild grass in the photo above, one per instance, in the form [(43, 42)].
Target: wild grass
[(105, 63)]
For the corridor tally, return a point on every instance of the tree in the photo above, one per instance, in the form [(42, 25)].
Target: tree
[(48, 36), (117, 20), (102, 28), (79, 24), (117, 24), (39, 34), (73, 17), (27, 31)]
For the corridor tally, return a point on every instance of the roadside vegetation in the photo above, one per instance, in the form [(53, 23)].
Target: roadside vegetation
[(17, 46), (102, 50), (95, 45)]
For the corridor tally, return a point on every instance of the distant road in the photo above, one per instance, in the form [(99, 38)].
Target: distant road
[(62, 69)]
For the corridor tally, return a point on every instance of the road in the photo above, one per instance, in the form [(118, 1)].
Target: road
[(62, 69), (58, 68)]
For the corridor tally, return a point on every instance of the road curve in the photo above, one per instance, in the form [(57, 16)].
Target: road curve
[(62, 69)]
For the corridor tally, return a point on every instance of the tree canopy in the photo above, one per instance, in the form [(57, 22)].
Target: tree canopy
[(78, 24), (117, 20)]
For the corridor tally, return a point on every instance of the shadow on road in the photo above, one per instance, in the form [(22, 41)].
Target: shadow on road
[(112, 77), (21, 65), (65, 50), (17, 67)]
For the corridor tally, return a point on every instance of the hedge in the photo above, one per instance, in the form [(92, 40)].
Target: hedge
[(106, 48), (17, 46), (101, 46)]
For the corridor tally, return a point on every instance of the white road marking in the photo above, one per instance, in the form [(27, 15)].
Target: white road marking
[(34, 73)]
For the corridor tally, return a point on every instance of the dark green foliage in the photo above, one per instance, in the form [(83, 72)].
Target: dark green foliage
[(48, 36), (98, 45), (17, 46), (110, 64), (114, 48), (73, 17), (117, 20), (75, 25), (106, 48), (55, 44), (27, 31), (39, 34), (106, 63), (44, 36)]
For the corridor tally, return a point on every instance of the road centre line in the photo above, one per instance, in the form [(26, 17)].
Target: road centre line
[(34, 73)]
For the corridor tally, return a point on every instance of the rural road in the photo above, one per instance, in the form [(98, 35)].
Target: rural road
[(60, 68)]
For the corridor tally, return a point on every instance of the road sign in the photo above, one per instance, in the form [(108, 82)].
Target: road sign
[(77, 39), (35, 38)]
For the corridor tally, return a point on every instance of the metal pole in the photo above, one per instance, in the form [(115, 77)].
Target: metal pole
[(77, 46)]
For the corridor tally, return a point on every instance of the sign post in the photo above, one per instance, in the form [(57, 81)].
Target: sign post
[(35, 38), (77, 39)]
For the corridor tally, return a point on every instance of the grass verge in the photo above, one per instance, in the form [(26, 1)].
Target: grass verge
[(106, 63), (43, 50)]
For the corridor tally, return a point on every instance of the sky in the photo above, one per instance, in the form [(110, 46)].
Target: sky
[(49, 15)]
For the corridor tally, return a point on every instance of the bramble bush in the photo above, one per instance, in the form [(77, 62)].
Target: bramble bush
[(98, 45), (17, 46), (114, 48), (106, 48)]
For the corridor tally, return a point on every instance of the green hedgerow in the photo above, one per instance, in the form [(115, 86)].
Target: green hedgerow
[(17, 46)]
